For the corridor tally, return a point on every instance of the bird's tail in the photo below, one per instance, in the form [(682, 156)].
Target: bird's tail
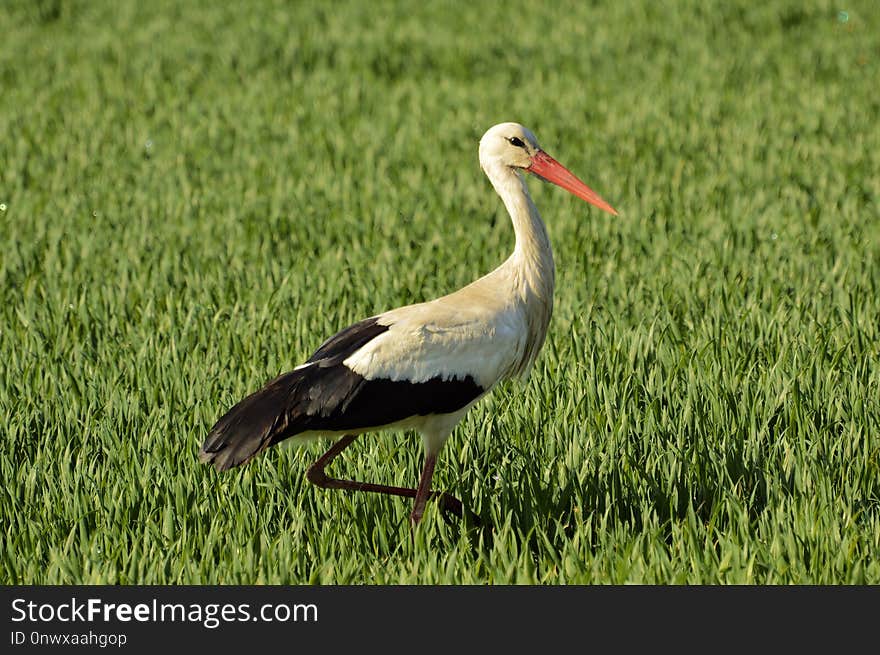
[(255, 423)]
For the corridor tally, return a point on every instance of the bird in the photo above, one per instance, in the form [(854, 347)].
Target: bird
[(420, 367)]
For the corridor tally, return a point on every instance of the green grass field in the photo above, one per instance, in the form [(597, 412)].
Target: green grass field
[(194, 195)]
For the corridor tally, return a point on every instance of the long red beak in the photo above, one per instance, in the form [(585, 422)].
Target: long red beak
[(544, 166)]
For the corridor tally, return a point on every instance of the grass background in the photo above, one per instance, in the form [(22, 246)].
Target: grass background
[(194, 194)]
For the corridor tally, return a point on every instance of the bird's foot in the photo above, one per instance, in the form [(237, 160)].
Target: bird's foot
[(449, 505)]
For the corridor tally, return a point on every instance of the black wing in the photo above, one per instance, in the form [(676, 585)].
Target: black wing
[(328, 396)]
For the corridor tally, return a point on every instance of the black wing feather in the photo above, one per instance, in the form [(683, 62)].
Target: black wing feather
[(328, 397), (345, 342)]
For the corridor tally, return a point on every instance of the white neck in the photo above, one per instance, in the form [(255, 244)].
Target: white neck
[(530, 269)]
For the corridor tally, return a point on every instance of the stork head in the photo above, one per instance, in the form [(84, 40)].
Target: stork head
[(514, 146)]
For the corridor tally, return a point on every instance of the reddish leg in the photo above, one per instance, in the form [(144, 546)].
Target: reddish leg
[(424, 490), (316, 475)]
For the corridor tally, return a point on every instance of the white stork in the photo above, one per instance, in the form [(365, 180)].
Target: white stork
[(422, 366)]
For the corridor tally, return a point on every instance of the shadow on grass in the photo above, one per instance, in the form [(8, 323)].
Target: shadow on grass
[(639, 500)]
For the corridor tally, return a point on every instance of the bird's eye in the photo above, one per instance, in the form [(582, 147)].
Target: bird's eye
[(516, 141)]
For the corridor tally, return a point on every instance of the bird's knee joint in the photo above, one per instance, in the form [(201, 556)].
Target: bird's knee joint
[(316, 476)]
